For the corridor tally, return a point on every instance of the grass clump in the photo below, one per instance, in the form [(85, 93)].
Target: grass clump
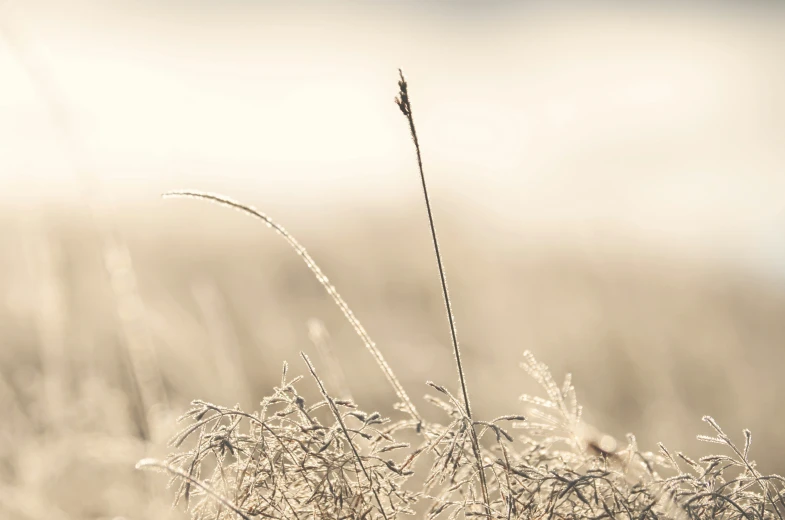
[(331, 460)]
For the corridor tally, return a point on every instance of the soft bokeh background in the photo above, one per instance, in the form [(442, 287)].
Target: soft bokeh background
[(608, 184)]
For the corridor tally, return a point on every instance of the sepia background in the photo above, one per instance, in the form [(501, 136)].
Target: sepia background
[(607, 183)]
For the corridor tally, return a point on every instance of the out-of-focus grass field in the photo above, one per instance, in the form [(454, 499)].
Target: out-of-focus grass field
[(210, 303)]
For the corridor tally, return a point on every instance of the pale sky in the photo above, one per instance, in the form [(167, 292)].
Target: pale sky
[(646, 123)]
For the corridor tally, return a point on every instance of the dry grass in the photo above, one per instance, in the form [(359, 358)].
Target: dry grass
[(108, 334), (285, 462), (225, 306)]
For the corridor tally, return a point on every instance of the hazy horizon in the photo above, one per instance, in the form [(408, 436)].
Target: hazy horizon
[(653, 125)]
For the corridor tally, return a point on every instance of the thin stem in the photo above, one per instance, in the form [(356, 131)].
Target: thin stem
[(404, 104), (323, 280), (338, 418)]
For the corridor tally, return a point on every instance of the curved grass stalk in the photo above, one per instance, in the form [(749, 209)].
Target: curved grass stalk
[(321, 277)]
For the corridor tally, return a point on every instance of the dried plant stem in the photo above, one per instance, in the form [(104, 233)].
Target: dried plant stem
[(337, 414), (405, 106), (320, 276), (721, 436), (404, 103)]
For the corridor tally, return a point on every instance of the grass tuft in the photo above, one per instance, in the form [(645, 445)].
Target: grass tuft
[(331, 460)]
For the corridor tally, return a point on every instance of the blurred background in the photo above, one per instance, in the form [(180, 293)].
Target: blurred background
[(607, 182)]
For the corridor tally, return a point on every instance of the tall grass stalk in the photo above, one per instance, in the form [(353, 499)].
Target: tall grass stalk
[(404, 103)]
